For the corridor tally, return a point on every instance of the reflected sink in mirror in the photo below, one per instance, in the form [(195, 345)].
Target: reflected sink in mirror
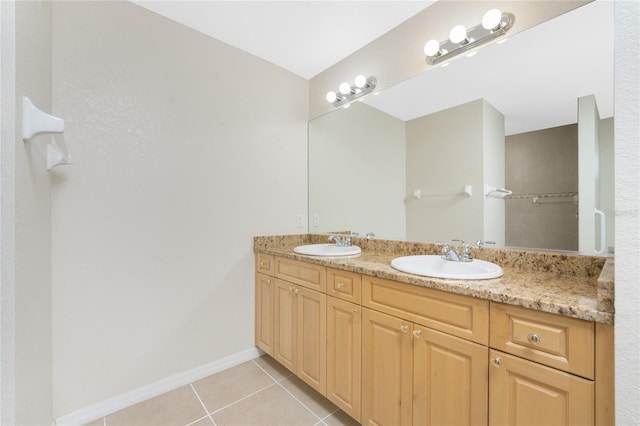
[(437, 267), (327, 250)]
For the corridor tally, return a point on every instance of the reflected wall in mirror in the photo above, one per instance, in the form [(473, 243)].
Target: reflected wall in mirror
[(397, 164)]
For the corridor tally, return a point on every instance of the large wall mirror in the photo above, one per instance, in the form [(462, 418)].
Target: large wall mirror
[(513, 144)]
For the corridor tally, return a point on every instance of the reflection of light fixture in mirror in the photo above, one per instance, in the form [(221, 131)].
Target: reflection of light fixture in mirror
[(348, 93), (494, 24)]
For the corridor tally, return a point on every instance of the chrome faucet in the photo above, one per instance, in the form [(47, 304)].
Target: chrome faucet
[(341, 241), (457, 252)]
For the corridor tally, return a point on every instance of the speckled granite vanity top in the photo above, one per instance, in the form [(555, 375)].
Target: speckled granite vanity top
[(568, 284)]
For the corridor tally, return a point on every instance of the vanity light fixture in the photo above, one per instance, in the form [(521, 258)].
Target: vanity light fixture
[(348, 93), (494, 24)]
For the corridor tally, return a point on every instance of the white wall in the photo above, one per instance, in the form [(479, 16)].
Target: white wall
[(184, 148), (26, 219), (627, 159), (346, 148)]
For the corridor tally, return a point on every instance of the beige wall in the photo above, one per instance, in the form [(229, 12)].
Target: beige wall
[(26, 219), (444, 212), (473, 134), (184, 148), (539, 162), (356, 159)]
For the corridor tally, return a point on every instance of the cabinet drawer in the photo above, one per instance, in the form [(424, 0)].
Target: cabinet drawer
[(264, 263), (301, 273), (461, 316), (344, 285), (554, 340)]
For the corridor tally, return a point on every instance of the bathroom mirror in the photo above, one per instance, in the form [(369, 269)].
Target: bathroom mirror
[(393, 163)]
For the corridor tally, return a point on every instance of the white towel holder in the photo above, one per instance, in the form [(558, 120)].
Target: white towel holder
[(496, 192), (37, 122)]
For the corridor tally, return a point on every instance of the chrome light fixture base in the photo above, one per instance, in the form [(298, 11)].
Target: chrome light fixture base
[(357, 90), (476, 36)]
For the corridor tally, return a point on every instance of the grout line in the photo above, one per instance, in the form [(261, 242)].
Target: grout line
[(203, 417), (300, 402), (270, 376), (199, 399), (243, 398)]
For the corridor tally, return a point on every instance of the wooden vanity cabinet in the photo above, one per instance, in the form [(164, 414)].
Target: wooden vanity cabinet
[(523, 392), (344, 353), (412, 371), (389, 353), (300, 321), (547, 369)]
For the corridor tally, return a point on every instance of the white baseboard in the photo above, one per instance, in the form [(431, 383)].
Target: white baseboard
[(119, 402)]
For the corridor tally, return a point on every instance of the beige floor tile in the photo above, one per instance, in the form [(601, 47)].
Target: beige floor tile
[(178, 407), (270, 407), (230, 385), (318, 404), (273, 367), (340, 418)]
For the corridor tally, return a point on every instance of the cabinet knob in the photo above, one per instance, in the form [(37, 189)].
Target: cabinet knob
[(339, 285), (291, 288), (354, 310), (497, 361), (261, 263), (417, 333), (404, 328), (268, 281), (533, 338), (296, 290)]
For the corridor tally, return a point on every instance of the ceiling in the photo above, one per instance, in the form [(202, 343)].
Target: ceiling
[(304, 37), (554, 63)]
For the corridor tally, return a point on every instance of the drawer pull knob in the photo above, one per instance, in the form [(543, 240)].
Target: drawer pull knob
[(404, 328), (354, 310), (497, 361), (417, 333), (296, 290), (339, 285), (533, 338), (261, 263)]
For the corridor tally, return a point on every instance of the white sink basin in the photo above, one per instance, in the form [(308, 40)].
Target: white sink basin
[(437, 267), (327, 250)]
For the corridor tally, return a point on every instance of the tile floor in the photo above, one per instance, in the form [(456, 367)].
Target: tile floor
[(258, 392)]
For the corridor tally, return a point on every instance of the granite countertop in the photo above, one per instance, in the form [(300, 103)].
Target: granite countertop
[(564, 283)]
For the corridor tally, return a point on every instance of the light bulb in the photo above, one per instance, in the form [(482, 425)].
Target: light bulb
[(360, 81), (345, 88), (492, 19), (331, 97), (458, 35), (432, 47)]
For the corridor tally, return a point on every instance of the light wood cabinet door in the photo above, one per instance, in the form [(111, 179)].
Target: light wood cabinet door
[(450, 380), (265, 308), (387, 370), (285, 324), (311, 338), (344, 321), (523, 392)]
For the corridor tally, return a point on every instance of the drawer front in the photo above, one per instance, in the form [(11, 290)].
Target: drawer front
[(459, 315), (554, 340), (264, 264), (301, 273), (344, 285)]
